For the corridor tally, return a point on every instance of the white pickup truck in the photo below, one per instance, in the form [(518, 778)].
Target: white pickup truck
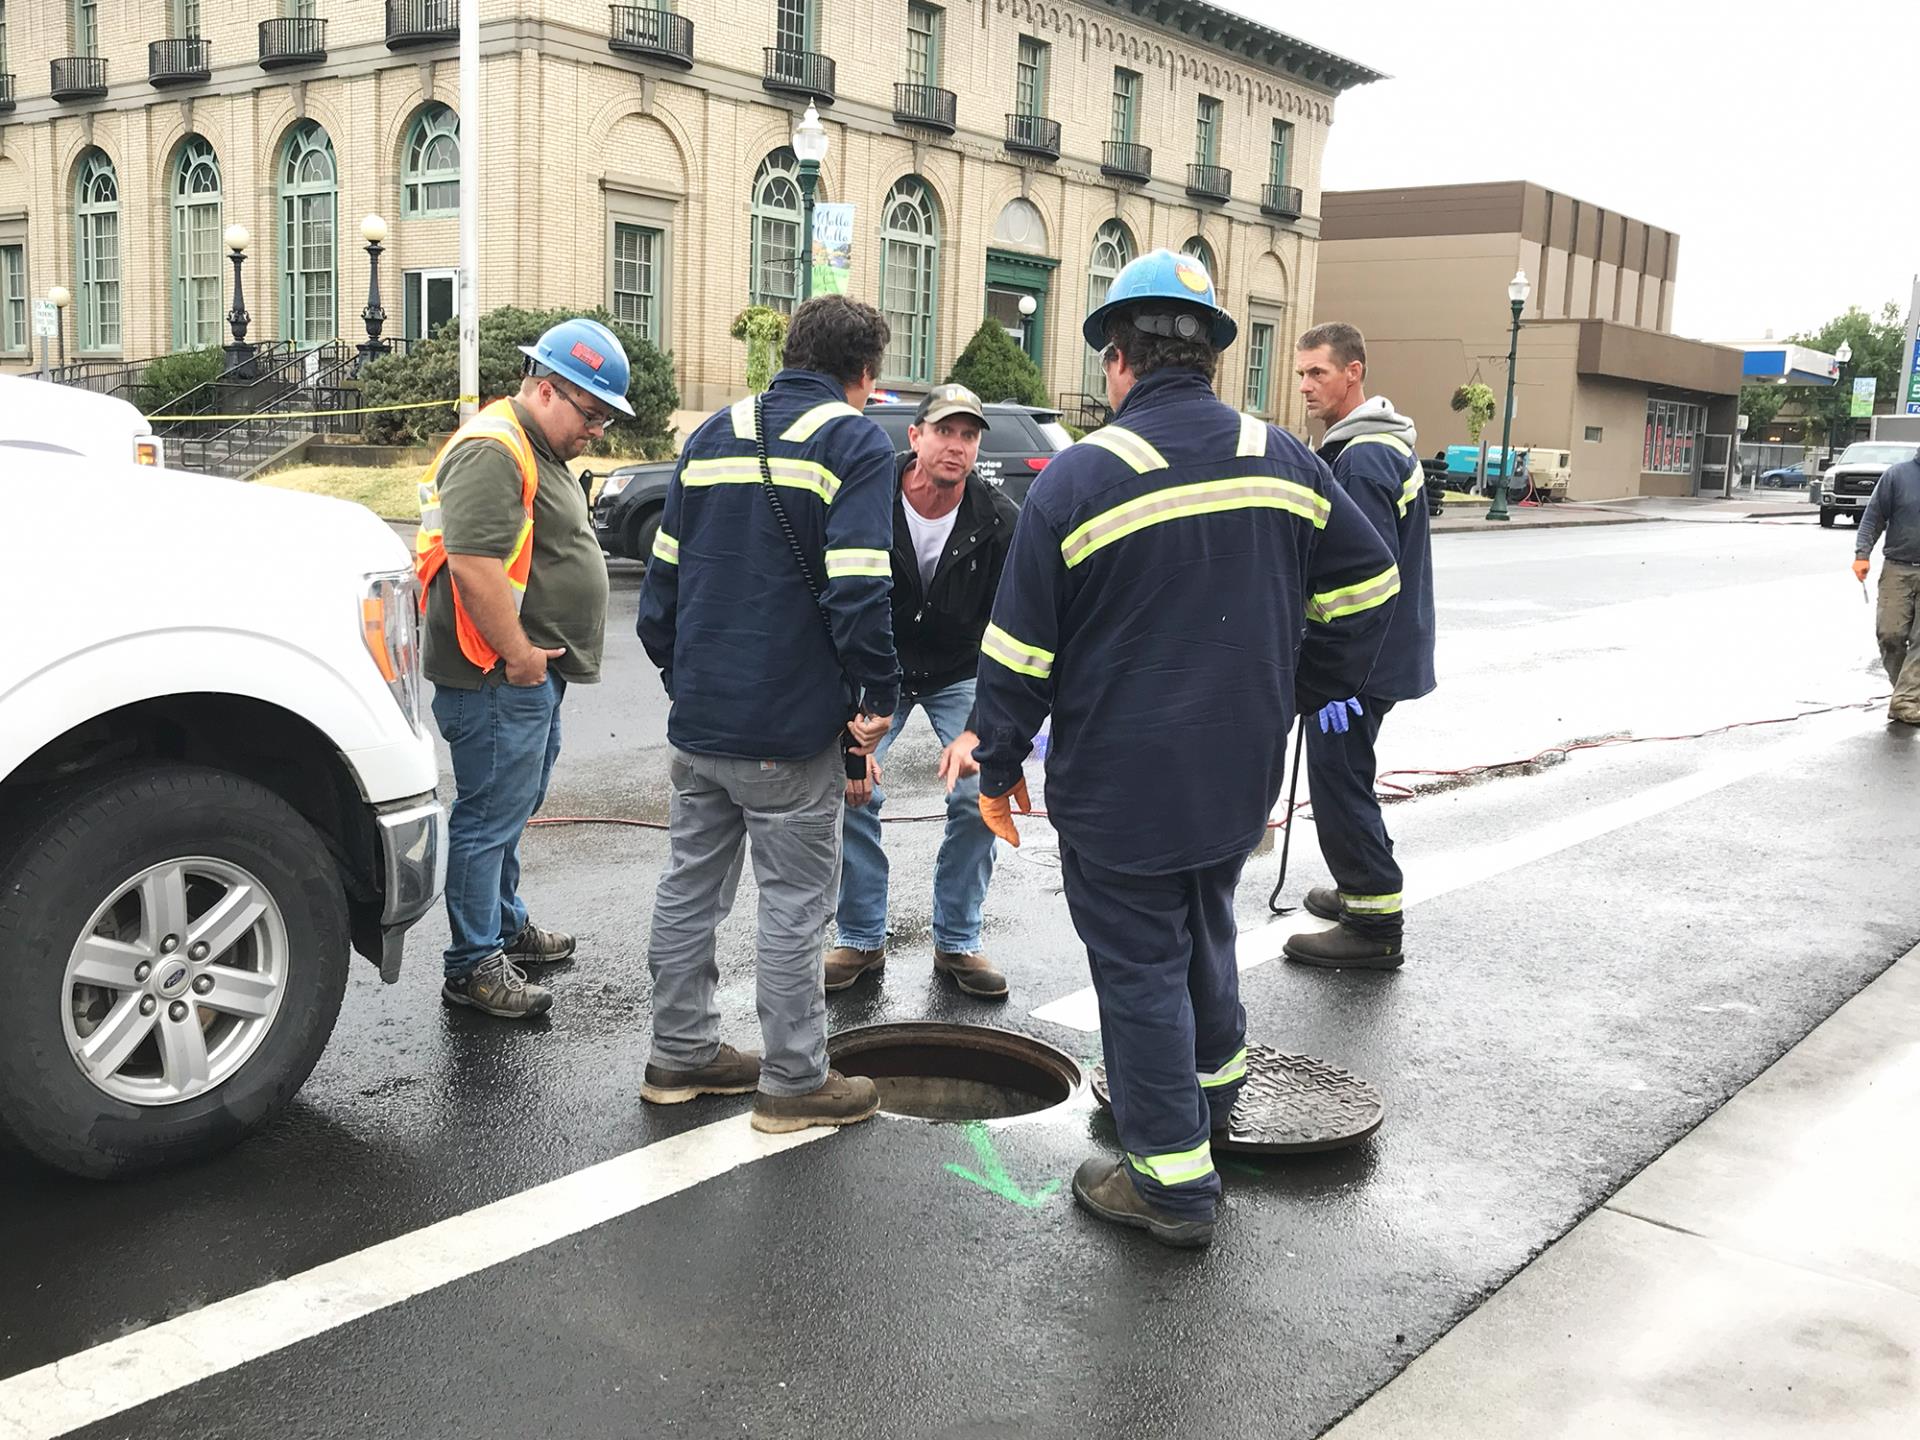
[(215, 778)]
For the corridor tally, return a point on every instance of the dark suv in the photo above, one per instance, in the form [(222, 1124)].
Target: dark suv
[(1019, 441)]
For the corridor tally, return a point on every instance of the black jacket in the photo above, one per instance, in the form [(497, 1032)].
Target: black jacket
[(937, 628)]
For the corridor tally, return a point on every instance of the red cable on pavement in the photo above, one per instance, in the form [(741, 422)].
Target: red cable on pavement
[(1388, 790)]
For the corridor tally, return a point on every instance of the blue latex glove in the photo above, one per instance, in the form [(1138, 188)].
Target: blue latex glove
[(1333, 715)]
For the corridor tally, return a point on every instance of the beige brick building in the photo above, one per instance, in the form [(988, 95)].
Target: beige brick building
[(636, 157)]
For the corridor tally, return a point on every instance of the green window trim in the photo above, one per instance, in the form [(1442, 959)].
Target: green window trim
[(1260, 369), (1280, 154), (197, 211), (639, 259), (14, 337), (97, 255), (1030, 77), (309, 236), (430, 172), (186, 20), (924, 24), (1033, 274), (1126, 106), (773, 261), (86, 28), (1206, 137), (1113, 247), (795, 25), (909, 279)]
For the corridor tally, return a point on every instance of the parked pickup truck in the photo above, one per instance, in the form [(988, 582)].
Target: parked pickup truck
[(216, 780), (1846, 487)]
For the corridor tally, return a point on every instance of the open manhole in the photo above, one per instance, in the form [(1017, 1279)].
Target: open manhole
[(955, 1072)]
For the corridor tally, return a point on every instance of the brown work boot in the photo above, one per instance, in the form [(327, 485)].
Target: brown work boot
[(499, 987), (730, 1072), (534, 946), (842, 1100), (972, 973), (846, 965), (1103, 1188)]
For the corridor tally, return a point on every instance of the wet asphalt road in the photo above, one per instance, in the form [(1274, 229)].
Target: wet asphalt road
[(1564, 1017)]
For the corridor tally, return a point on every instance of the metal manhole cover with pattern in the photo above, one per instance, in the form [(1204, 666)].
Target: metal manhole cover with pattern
[(1292, 1105)]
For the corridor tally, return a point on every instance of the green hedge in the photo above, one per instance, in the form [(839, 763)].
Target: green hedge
[(430, 370), (164, 381), (996, 369)]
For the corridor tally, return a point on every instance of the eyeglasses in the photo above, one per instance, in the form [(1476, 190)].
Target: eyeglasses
[(1108, 356), (600, 422)]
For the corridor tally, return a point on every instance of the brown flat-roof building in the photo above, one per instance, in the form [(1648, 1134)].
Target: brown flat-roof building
[(1423, 273)]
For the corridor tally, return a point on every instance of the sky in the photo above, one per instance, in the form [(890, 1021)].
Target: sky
[(1780, 140)]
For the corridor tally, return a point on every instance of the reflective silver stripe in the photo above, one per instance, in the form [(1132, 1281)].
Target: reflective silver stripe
[(1118, 440), (1393, 442), (1371, 904), (858, 562), (1352, 599), (1182, 1167), (666, 548), (1016, 655), (803, 428), (1416, 482), (1206, 497), (430, 519), (743, 419), (1253, 436), (745, 470), (1234, 1069)]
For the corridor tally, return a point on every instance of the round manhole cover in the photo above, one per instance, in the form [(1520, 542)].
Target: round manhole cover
[(1292, 1105), (934, 1071)]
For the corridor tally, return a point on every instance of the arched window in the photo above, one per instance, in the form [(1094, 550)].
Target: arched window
[(1021, 227), (1200, 250), (196, 246), (97, 242), (430, 174), (1112, 249), (774, 277), (308, 199), (909, 278)]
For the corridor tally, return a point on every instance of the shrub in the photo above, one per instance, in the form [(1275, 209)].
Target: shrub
[(430, 370), (996, 369), (164, 381)]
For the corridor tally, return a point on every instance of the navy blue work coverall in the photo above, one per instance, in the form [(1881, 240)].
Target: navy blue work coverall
[(1384, 477), (724, 610), (1174, 578)]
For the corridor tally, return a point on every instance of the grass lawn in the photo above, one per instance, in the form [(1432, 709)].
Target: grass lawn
[(391, 492)]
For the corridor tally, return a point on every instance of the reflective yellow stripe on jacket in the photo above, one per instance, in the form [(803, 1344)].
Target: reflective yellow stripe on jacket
[(1414, 482), (1181, 1167), (1118, 440), (1234, 1069), (1204, 497), (1352, 599), (666, 548), (1016, 655), (858, 562), (745, 470)]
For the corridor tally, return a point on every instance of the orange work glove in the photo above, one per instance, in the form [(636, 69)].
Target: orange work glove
[(997, 811), (1860, 568)]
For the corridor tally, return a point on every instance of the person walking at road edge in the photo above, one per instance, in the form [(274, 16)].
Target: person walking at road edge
[(1895, 508)]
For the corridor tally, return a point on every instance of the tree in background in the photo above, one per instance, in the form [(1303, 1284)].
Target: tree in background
[(996, 369), (430, 370), (1876, 351), (765, 331)]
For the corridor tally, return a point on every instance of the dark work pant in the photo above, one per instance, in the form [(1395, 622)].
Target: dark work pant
[(1346, 813), (1161, 948)]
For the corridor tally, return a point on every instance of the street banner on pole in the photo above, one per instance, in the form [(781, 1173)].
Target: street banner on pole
[(832, 256), (1909, 385), (1863, 388)]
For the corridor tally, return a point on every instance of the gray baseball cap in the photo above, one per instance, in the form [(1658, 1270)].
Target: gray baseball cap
[(945, 400)]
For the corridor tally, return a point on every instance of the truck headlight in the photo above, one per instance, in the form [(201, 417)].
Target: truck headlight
[(390, 626), (613, 485)]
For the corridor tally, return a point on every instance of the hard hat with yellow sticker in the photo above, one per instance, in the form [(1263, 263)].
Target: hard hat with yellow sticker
[(1172, 294)]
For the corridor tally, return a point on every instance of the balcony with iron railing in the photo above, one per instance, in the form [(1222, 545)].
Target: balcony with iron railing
[(179, 62), (1209, 182), (421, 22), (292, 41), (1033, 135), (1124, 160), (798, 72), (6, 93), (1281, 200), (651, 34), (926, 105), (79, 77)]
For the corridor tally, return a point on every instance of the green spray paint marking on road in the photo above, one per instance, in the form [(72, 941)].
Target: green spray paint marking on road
[(996, 1178)]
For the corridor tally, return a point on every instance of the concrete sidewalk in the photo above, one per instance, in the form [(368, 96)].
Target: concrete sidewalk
[(1471, 515), (1761, 1279)]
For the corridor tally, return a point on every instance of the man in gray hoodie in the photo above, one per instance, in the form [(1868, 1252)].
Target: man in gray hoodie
[(1371, 449), (1895, 508)]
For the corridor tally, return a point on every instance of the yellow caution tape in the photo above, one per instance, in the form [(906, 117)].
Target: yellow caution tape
[(317, 414)]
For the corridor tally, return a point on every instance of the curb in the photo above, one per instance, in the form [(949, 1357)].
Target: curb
[(1498, 527)]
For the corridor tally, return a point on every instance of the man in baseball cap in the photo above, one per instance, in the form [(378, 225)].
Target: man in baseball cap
[(951, 533)]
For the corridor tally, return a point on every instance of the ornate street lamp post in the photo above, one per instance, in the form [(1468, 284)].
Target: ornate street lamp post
[(1517, 291), (810, 146), (373, 230), (239, 352)]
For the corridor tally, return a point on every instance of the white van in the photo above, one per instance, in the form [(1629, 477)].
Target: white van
[(39, 415)]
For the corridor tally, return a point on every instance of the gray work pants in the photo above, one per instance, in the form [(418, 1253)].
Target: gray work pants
[(790, 812), (1897, 627)]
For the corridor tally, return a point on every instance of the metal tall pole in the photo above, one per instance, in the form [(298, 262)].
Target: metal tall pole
[(470, 140), (1498, 510), (809, 177)]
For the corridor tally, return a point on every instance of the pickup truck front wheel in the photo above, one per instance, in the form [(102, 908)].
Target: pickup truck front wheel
[(174, 939), (1826, 518)]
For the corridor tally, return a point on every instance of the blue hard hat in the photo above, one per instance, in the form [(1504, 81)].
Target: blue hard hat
[(1163, 283), (590, 355)]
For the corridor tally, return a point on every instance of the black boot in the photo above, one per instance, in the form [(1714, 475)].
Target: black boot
[(1344, 949), (1324, 901), (1103, 1189)]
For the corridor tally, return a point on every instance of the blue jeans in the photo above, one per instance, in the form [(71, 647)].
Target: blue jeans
[(504, 740), (965, 865)]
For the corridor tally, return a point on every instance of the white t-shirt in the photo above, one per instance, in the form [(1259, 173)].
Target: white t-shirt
[(929, 538)]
